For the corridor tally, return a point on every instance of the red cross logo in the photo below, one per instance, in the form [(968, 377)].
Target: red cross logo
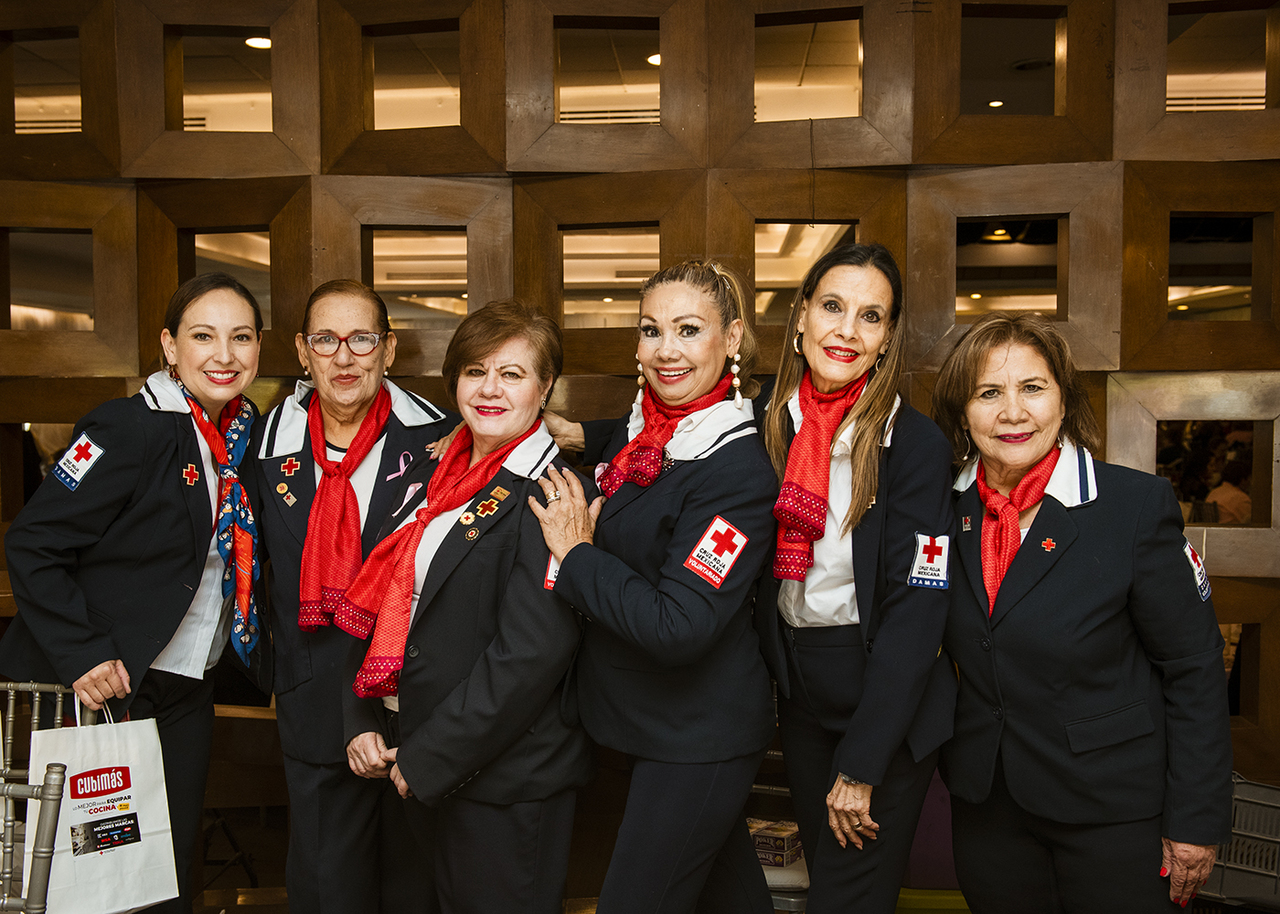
[(290, 466), (191, 474), (84, 450), (931, 551), (487, 507), (725, 542), (1048, 545)]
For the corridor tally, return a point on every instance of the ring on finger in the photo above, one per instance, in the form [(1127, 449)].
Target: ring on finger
[(554, 496)]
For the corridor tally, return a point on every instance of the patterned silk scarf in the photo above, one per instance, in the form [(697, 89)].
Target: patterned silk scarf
[(331, 553), (801, 508), (640, 461), (1000, 534), (381, 597), (234, 526)]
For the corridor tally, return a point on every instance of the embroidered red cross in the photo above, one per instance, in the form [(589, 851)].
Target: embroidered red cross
[(290, 466), (191, 474), (83, 451), (487, 507), (725, 542), (1048, 545), (931, 551)]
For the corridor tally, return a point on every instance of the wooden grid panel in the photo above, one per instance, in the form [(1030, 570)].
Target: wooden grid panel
[(344, 206), (1080, 129), (153, 144), (111, 348), (1154, 190), (1088, 194), (880, 136), (1144, 130), (350, 144), (94, 152), (170, 213), (1255, 733)]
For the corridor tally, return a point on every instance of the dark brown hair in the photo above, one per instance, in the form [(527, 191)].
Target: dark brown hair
[(958, 379), (347, 287), (725, 289), (487, 330), (193, 288)]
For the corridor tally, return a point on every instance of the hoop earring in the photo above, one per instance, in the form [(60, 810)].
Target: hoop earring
[(639, 372), (879, 362), (968, 446), (795, 344), (173, 372), (737, 382)]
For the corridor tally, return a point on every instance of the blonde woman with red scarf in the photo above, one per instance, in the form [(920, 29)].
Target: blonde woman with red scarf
[(330, 459), (851, 617), (458, 690), (1091, 764), (663, 569)]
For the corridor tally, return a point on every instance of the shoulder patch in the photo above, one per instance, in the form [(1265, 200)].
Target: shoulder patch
[(77, 461), (716, 552), (1197, 569), (929, 565)]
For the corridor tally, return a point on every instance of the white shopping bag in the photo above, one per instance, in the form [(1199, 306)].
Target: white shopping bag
[(114, 852)]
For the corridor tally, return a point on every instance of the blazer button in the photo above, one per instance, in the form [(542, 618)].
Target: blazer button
[(411, 651), (986, 644), (998, 713)]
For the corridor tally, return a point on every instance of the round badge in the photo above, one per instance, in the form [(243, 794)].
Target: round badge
[(467, 519), (282, 488), (472, 533)]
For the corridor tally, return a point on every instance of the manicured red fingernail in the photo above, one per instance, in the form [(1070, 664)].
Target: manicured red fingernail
[(1164, 871), (1184, 902)]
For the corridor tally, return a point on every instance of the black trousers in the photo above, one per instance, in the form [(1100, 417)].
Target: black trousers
[(1011, 862), (826, 667), (683, 845)]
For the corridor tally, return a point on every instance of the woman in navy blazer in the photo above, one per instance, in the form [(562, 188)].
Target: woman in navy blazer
[(851, 617), (1092, 752), (116, 568), (663, 570)]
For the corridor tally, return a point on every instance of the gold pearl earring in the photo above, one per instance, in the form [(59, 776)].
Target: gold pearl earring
[(737, 381)]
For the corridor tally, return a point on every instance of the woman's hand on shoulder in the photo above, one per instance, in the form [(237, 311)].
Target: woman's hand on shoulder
[(570, 436), (567, 519), (437, 448), (366, 754), (106, 680), (1188, 867)]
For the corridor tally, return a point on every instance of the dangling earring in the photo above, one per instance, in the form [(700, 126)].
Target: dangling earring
[(795, 344), (544, 403), (737, 382), (968, 446), (639, 371), (173, 372), (879, 362)]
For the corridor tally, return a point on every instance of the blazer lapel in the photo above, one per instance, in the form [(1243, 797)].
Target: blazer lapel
[(866, 548), (195, 488), (969, 542), (296, 473), (1051, 535), (396, 457)]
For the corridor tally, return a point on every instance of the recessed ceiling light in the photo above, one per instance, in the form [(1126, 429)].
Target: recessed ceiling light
[(261, 44), (995, 104), (464, 294), (1000, 231), (975, 295), (606, 300), (1183, 308), (655, 59)]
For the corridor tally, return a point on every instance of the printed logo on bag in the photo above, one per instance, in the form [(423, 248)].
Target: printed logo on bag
[(716, 552), (77, 461), (100, 835), (553, 572), (929, 566), (99, 782), (1198, 569)]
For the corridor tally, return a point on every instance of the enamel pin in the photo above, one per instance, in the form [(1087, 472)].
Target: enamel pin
[(1048, 545), (467, 519), (290, 466), (282, 488), (473, 533), (487, 507), (191, 474), (499, 493), (965, 524)]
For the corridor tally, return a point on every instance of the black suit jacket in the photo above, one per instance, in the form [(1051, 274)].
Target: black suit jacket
[(311, 667), (485, 660), (1098, 678), (670, 667), (108, 570), (909, 689)]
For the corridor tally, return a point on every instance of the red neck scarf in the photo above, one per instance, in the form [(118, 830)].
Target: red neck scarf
[(640, 461), (381, 597), (1000, 534), (801, 508), (331, 553)]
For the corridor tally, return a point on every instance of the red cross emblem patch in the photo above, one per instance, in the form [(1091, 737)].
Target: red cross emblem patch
[(487, 507), (191, 474), (929, 564), (1048, 544), (76, 461), (290, 466), (716, 552)]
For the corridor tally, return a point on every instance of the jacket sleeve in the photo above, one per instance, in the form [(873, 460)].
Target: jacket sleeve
[(511, 682), (909, 620), (679, 617), (1179, 631), (44, 543)]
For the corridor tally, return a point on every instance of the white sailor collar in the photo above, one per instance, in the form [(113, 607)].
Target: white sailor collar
[(844, 441), (410, 409), (1072, 483), (532, 455), (162, 394), (702, 433)]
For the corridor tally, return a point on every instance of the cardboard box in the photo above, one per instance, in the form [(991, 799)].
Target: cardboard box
[(776, 843), (778, 858)]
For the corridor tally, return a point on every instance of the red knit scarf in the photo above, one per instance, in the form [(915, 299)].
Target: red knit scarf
[(1000, 534), (640, 461), (381, 597), (331, 553), (801, 508)]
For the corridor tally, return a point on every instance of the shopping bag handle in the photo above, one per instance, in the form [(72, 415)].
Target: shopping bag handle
[(90, 716)]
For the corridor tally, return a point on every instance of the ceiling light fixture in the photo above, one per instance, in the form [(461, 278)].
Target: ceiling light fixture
[(995, 104), (606, 300), (1183, 308), (655, 59), (975, 295), (262, 44)]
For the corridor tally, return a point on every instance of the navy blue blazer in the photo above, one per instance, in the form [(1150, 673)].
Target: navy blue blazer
[(310, 667), (1098, 678), (670, 666), (486, 656), (909, 689), (109, 569)]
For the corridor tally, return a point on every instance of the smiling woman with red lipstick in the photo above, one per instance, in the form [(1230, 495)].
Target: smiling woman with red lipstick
[(851, 617), (133, 564), (1092, 749)]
